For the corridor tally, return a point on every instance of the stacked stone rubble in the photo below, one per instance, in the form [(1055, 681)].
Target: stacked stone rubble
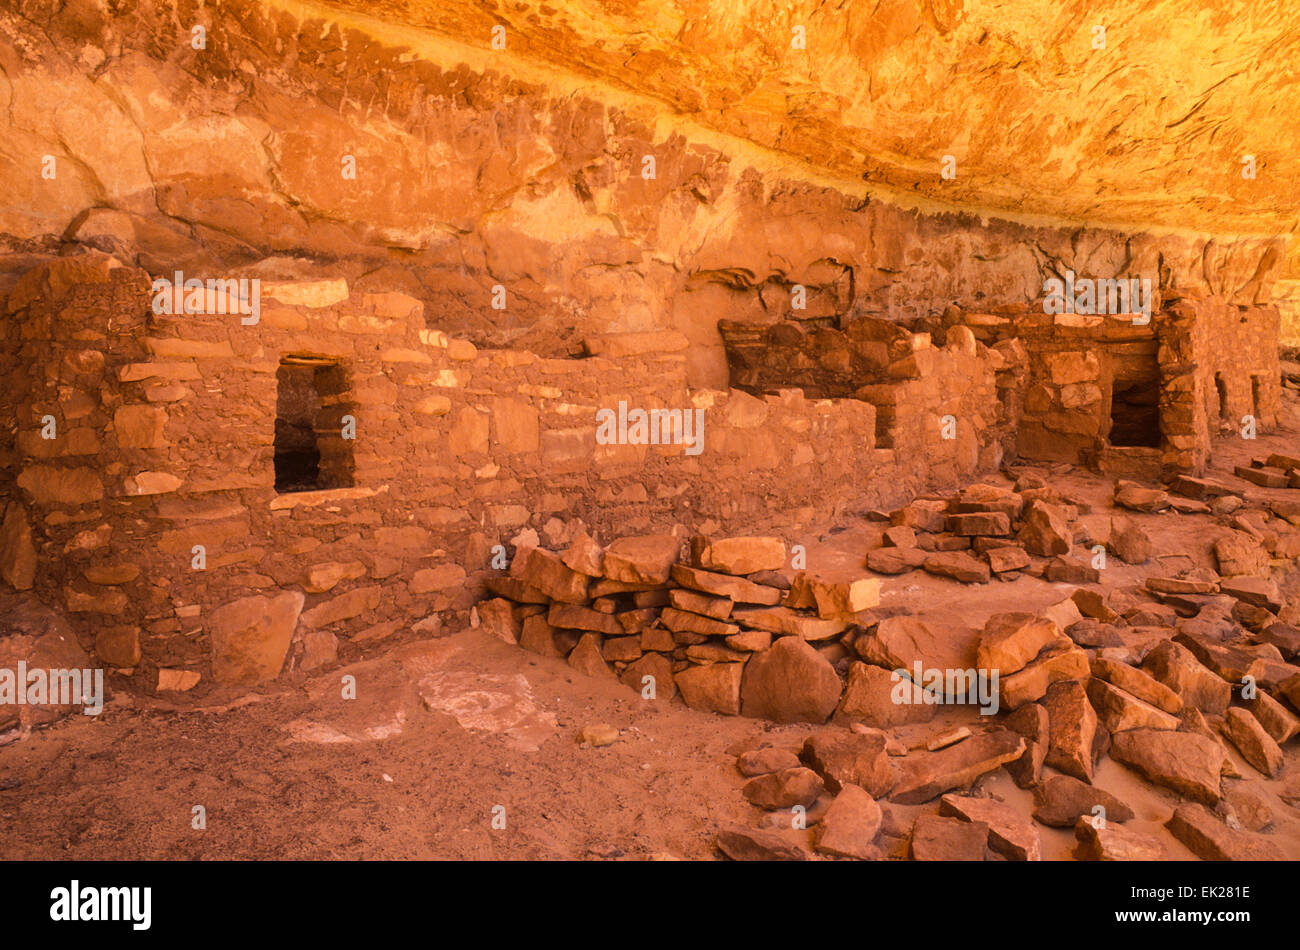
[(1177, 679), (721, 623)]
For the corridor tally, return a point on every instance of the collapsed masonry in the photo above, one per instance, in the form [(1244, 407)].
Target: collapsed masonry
[(730, 627), (667, 627), (1123, 396), (1164, 677), (184, 486), (199, 502)]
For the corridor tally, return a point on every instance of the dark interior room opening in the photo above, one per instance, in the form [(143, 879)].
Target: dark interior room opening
[(310, 451), (1135, 412)]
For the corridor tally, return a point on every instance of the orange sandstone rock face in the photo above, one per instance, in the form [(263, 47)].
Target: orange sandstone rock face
[(771, 171)]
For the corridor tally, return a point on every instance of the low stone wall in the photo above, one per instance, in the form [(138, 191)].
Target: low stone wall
[(725, 625), (936, 405), (736, 626)]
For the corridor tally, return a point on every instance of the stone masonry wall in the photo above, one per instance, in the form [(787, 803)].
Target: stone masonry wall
[(1239, 344), (155, 521), (1075, 359)]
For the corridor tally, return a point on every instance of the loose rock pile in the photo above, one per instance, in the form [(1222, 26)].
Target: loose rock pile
[(986, 532), (1169, 715), (1165, 676), (1164, 679), (1290, 371), (1276, 471)]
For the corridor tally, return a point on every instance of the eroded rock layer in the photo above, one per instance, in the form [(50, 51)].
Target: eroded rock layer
[(401, 150)]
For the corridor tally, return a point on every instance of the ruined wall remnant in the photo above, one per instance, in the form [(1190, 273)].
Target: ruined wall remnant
[(173, 506), (1139, 399), (176, 475)]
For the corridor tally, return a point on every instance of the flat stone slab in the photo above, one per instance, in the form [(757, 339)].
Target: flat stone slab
[(1109, 842), (927, 775), (724, 585), (936, 838), (785, 621), (1206, 836), (756, 844), (1060, 801), (1011, 834), (1188, 763)]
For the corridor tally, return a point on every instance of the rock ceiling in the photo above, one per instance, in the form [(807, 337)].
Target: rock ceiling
[(1148, 132), (233, 148)]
